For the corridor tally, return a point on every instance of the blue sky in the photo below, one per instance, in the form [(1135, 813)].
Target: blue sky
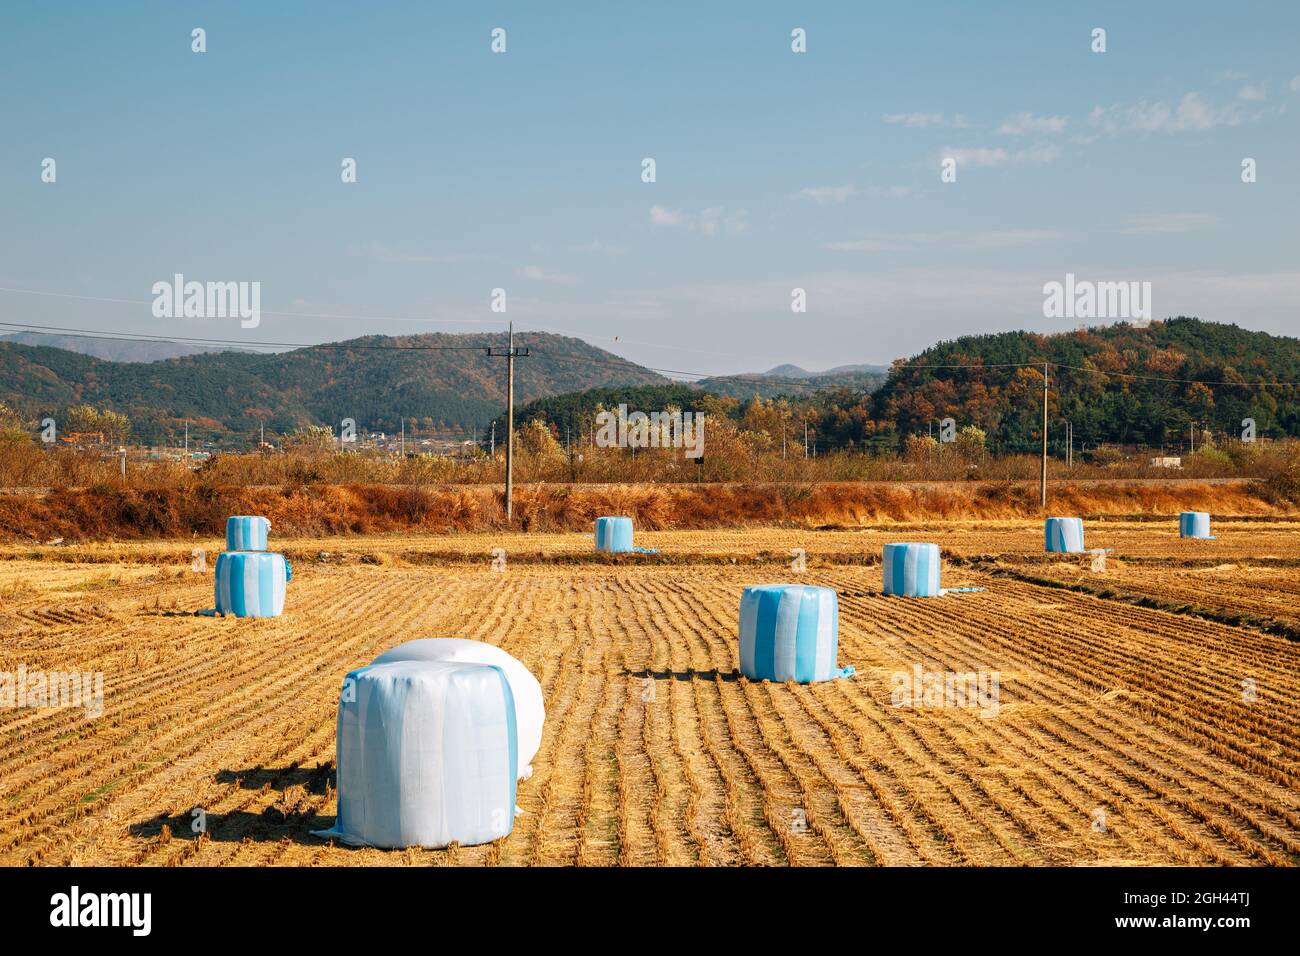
[(775, 170)]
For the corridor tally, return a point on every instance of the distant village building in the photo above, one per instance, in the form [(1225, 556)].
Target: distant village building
[(1168, 462)]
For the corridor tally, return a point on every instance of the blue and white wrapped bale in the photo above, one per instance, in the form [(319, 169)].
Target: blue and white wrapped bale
[(427, 755), (247, 533), (251, 583), (1064, 535), (614, 534), (790, 632), (530, 705), (911, 569), (1194, 524)]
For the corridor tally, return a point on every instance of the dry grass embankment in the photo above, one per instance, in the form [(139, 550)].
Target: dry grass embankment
[(306, 510)]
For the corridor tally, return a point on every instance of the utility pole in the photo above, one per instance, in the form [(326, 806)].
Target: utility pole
[(187, 439), (805, 438), (492, 447), (510, 354), (1042, 479), (1069, 446), (403, 438)]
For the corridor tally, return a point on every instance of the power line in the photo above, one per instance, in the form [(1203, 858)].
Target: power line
[(297, 315), (182, 340)]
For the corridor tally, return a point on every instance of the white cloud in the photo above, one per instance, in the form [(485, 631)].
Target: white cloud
[(1294, 85), (1192, 114), (659, 216), (823, 195), (538, 274), (926, 120), (382, 252), (1167, 222), (711, 221), (890, 192), (983, 156), (979, 240), (1253, 92), (1021, 124)]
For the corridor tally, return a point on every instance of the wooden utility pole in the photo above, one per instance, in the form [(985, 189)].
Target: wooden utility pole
[(510, 353), (1042, 478)]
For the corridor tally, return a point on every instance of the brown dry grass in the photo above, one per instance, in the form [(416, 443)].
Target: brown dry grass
[(311, 510), (655, 751)]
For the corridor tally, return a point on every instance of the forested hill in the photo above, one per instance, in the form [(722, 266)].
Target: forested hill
[(440, 380), (1118, 383)]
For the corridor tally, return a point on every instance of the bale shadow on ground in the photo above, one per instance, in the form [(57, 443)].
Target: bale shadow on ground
[(271, 825), (311, 779)]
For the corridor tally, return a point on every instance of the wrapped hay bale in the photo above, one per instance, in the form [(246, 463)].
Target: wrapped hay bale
[(427, 755), (790, 632), (911, 569), (530, 708), (251, 583), (247, 533), (1194, 524), (614, 534), (1064, 535)]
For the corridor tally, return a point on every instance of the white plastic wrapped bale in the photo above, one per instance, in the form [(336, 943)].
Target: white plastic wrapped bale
[(911, 569), (614, 534), (1194, 524), (427, 755), (251, 583), (247, 533), (790, 632), (530, 707), (1063, 535)]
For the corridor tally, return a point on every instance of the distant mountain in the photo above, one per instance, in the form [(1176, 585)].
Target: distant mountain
[(444, 382), (111, 350), (794, 371), (786, 371), (857, 370)]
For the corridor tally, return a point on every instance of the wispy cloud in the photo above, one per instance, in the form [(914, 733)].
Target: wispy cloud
[(926, 120), (1021, 124), (711, 221), (985, 157), (538, 274), (828, 195), (1167, 222), (659, 216), (979, 240), (382, 252), (1294, 85), (1192, 114), (890, 192), (1253, 92)]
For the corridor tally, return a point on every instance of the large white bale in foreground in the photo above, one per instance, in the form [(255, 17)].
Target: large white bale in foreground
[(530, 708), (427, 755)]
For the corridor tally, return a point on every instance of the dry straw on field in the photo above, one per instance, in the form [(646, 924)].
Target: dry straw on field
[(655, 751)]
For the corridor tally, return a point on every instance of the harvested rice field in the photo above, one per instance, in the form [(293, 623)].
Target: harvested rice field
[(1144, 715)]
